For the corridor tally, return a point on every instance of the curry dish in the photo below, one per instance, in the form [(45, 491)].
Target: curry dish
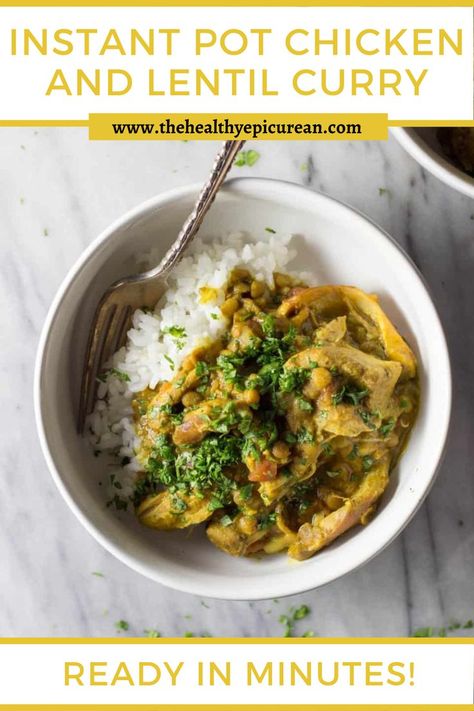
[(281, 435), (458, 144)]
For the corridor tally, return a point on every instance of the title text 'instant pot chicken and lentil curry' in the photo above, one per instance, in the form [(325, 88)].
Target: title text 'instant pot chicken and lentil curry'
[(282, 434)]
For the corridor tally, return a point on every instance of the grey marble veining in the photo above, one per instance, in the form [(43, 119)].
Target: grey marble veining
[(57, 191)]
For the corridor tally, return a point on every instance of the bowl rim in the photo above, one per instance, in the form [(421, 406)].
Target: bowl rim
[(434, 162), (245, 186)]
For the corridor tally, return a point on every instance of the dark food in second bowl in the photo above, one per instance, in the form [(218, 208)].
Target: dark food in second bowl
[(458, 144)]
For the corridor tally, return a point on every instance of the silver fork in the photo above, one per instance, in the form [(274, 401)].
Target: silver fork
[(112, 317)]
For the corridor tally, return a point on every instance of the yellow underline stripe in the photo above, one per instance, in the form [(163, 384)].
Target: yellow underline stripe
[(238, 3), (236, 707), (239, 640)]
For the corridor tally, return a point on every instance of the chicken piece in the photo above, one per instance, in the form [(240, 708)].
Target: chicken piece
[(167, 511), (242, 537), (301, 468), (334, 331), (186, 378), (377, 376), (396, 348), (323, 530), (244, 334), (207, 418), (336, 300)]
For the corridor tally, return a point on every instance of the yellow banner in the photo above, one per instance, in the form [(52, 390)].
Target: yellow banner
[(271, 127)]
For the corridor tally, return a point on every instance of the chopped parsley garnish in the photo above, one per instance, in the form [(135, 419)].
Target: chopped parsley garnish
[(304, 405), (327, 449), (271, 230), (287, 625), (303, 436), (122, 626), (196, 468), (168, 410), (170, 361), (202, 368), (266, 520), (226, 520), (118, 502), (175, 331), (350, 395), (367, 462), (441, 631), (178, 505), (152, 633), (228, 365), (354, 453), (215, 504), (301, 612), (116, 373), (387, 427), (246, 492), (367, 417), (246, 158), (289, 621), (293, 379)]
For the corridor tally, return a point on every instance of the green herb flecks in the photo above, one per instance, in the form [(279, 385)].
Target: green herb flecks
[(152, 633), (122, 626), (349, 394), (387, 427), (301, 612), (246, 158), (293, 379), (115, 373)]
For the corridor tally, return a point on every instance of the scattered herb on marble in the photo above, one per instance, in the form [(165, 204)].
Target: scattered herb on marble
[(441, 631), (247, 158), (122, 626), (290, 620), (301, 612), (152, 633), (97, 574)]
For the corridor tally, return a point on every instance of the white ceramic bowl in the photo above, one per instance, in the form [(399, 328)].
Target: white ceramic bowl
[(423, 146), (340, 246)]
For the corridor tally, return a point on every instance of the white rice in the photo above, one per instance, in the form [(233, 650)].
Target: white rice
[(152, 354)]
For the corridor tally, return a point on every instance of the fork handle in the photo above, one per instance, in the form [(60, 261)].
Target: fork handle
[(222, 164)]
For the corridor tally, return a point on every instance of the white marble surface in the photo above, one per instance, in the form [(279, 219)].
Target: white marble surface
[(57, 191)]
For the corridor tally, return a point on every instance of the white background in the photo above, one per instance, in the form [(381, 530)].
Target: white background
[(443, 675), (446, 92)]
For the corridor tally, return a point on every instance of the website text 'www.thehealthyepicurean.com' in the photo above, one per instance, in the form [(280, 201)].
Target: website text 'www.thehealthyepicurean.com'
[(199, 126)]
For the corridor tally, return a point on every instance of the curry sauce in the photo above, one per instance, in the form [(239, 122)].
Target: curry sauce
[(282, 433)]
